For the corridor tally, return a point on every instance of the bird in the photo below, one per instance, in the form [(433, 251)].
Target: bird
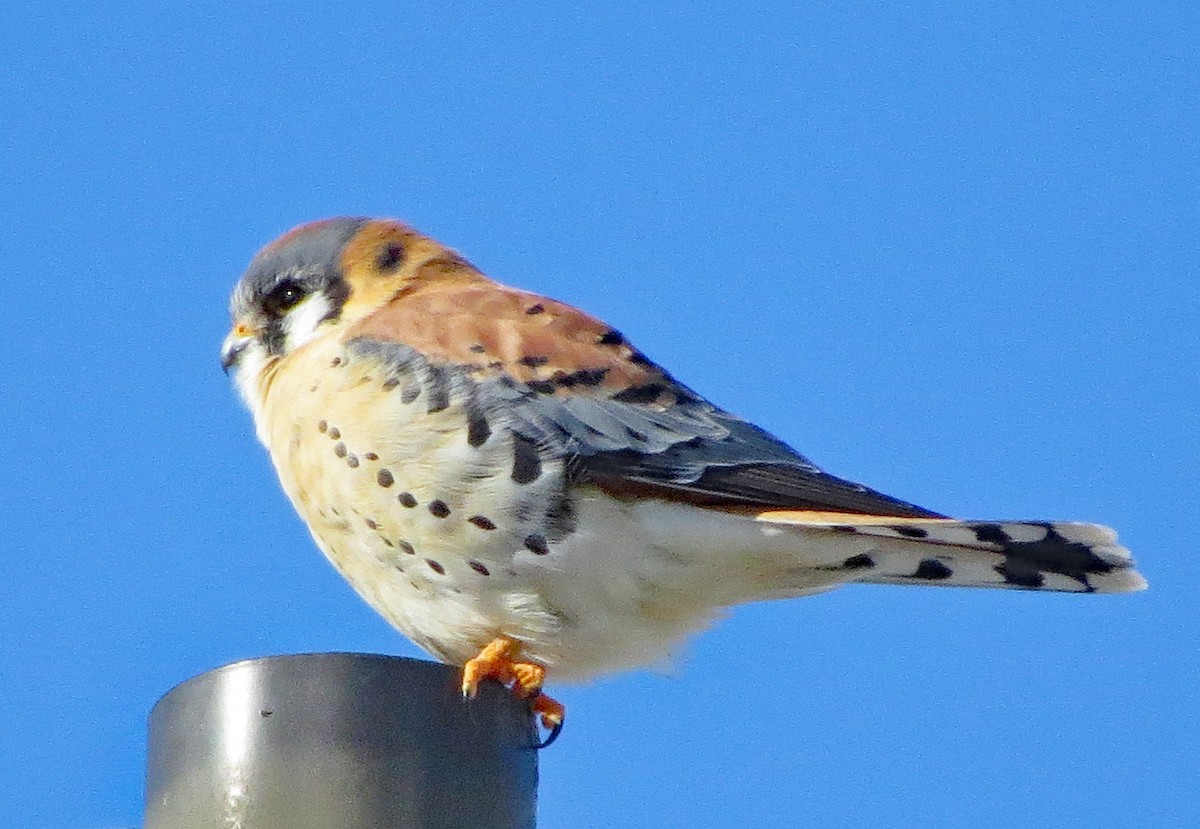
[(523, 493)]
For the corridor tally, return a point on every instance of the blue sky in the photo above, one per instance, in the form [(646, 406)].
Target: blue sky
[(950, 253)]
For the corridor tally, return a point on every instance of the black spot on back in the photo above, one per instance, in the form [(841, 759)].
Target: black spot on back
[(643, 394), (535, 309), (533, 360), (611, 337)]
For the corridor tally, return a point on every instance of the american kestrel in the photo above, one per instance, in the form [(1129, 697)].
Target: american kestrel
[(522, 492)]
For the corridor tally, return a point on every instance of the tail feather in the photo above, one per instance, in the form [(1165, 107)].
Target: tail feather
[(1028, 555)]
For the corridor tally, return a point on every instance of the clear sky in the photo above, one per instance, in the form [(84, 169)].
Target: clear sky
[(952, 254)]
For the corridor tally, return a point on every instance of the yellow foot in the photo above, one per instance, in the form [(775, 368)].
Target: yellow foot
[(498, 661)]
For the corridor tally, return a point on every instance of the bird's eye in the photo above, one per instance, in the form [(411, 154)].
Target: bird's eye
[(283, 297)]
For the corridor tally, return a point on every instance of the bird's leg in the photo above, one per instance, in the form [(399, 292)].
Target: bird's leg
[(498, 661)]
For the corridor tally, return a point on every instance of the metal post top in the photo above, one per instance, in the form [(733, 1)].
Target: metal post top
[(339, 739)]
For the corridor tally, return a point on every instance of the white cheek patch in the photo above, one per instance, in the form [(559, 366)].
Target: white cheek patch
[(300, 325)]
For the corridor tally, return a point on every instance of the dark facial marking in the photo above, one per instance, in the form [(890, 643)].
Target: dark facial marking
[(390, 256), (482, 522), (859, 562), (931, 569), (385, 478), (439, 509), (283, 297), (406, 499), (536, 544), (527, 465)]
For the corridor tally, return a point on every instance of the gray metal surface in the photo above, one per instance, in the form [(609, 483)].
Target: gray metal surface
[(354, 741)]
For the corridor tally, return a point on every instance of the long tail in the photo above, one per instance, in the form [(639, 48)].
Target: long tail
[(1027, 555)]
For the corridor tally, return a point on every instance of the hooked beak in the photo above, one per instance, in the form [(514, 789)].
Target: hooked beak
[(235, 343)]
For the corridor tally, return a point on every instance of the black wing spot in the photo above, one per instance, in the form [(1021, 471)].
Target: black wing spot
[(992, 534), (931, 569), (478, 429), (537, 545), (527, 464), (910, 532), (1019, 574), (862, 561)]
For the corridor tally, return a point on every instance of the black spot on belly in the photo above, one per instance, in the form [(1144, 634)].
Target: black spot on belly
[(479, 568), (385, 478), (537, 544), (334, 433), (371, 456), (406, 547), (391, 383), (352, 462), (340, 450), (527, 464), (931, 569), (481, 522), (411, 391), (322, 426), (371, 524), (436, 567), (858, 562), (438, 508), (407, 499)]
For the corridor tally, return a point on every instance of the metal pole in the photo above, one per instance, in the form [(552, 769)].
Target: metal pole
[(354, 741)]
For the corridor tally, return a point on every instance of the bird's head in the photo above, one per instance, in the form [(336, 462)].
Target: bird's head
[(320, 277)]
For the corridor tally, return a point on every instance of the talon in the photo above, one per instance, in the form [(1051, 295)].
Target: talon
[(498, 661)]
